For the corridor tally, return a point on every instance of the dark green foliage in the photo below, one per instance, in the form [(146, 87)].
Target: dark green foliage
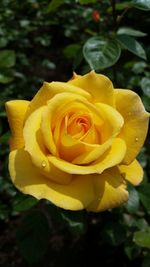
[(141, 4), (48, 40), (132, 45), (23, 202), (142, 238), (144, 193), (33, 236), (132, 205)]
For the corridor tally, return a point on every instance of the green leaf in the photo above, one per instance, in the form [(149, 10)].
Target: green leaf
[(145, 85), (75, 220), (131, 32), (132, 251), (85, 2), (114, 233), (54, 5), (141, 4), (132, 45), (53, 211), (120, 6), (5, 138), (3, 42), (33, 236), (142, 157), (78, 59), (70, 51), (139, 67), (48, 64), (4, 79), (3, 114), (23, 202), (146, 261), (144, 194), (7, 58), (146, 102), (141, 224), (4, 211), (142, 239), (132, 205), (101, 53)]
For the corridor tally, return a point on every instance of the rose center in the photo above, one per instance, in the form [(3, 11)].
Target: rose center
[(77, 125)]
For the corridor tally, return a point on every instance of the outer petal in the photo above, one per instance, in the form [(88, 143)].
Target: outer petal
[(112, 118), (49, 90), (99, 86), (136, 120), (74, 196), (75, 76), (110, 190), (16, 110), (132, 173), (35, 147)]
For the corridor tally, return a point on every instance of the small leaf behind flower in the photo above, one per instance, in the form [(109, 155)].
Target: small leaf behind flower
[(75, 220), (23, 202), (132, 205), (144, 193), (145, 84), (132, 45)]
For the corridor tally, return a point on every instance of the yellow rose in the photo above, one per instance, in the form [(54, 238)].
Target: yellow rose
[(76, 142)]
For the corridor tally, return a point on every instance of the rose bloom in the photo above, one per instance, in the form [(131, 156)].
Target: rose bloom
[(76, 142)]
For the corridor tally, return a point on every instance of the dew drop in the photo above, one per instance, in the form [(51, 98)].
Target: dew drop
[(136, 139), (43, 164)]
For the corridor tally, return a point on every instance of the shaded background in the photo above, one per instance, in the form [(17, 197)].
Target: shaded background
[(44, 41)]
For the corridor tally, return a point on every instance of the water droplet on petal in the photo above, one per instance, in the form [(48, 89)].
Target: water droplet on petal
[(43, 164), (136, 139)]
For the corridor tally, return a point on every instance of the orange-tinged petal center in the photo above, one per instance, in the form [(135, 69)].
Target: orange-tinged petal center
[(72, 127), (81, 123)]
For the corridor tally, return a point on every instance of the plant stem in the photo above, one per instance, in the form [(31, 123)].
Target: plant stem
[(122, 15), (114, 15)]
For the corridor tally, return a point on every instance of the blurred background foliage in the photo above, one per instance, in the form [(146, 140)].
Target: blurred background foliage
[(48, 40)]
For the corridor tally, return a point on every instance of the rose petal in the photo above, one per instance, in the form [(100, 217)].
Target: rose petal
[(74, 196), (56, 138), (16, 110), (132, 173), (111, 158), (110, 190), (99, 87), (49, 90), (136, 120), (75, 75), (35, 147), (113, 121), (55, 107)]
